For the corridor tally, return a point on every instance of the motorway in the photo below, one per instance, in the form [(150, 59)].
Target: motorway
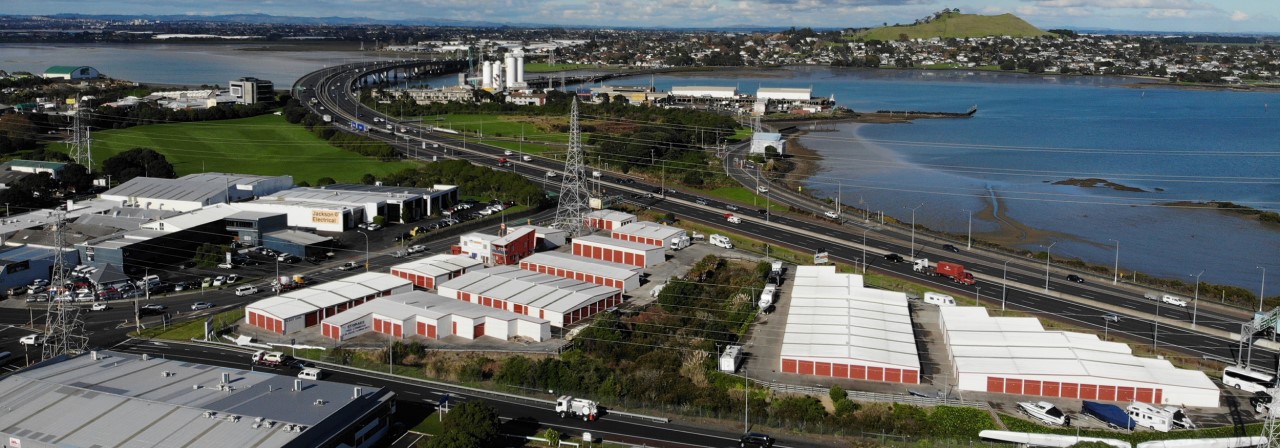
[(1080, 304)]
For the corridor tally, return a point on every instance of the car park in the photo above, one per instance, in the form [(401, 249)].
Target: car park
[(1075, 278), (201, 306)]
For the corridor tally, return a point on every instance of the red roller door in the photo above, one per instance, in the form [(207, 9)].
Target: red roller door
[(1146, 395), (431, 331), (911, 376), (875, 373), (822, 369), (1070, 390), (1050, 388), (1031, 387), (995, 384), (1159, 397), (840, 371), (1088, 392), (893, 375), (1125, 394), (858, 372), (1107, 393), (1012, 386), (806, 367), (479, 330), (789, 366)]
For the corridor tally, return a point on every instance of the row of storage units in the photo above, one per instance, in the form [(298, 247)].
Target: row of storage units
[(585, 269), (838, 328), (431, 316), (650, 233), (296, 310), (1016, 355), (618, 251), (606, 219), (436, 269), (562, 301)]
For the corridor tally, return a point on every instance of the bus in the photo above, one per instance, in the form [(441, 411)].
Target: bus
[(1247, 379)]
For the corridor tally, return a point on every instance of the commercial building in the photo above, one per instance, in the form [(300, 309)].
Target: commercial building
[(606, 219), (296, 310), (242, 187), (21, 265), (784, 93), (548, 237), (650, 233), (584, 269), (108, 398), (760, 141), (35, 167), (495, 250), (166, 194), (297, 242), (436, 269), (252, 90), (618, 251), (1016, 355), (705, 91), (838, 328), (432, 316), (337, 208), (70, 72), (559, 300)]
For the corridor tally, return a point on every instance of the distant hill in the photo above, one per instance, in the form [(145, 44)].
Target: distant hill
[(958, 25)]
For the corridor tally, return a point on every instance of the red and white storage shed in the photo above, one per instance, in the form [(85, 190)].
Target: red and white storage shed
[(585, 269), (560, 300), (618, 251), (606, 219), (302, 308), (650, 233), (432, 317), (837, 328), (1016, 355), (436, 269)]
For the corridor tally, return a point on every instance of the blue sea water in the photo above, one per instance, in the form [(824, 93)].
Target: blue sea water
[(1030, 131)]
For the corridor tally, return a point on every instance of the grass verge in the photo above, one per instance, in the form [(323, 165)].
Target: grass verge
[(186, 331), (263, 145)]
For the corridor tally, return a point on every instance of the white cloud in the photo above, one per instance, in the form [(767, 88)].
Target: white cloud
[(1167, 14), (1239, 16)]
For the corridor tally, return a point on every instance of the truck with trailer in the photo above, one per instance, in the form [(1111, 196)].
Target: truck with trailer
[(568, 406), (954, 271)]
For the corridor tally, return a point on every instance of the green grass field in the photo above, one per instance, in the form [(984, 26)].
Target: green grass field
[(265, 145), (958, 25), (507, 127), (743, 196)]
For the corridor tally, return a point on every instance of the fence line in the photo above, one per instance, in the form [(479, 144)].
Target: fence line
[(876, 396)]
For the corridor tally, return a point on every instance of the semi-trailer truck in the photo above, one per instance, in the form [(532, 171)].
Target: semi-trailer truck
[(954, 271)]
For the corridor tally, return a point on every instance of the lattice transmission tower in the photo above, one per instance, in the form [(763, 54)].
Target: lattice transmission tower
[(81, 141), (574, 198), (64, 325)]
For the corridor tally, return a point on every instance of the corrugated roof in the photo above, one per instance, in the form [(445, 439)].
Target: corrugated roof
[(156, 189), (610, 215), (324, 295), (64, 69), (512, 235), (439, 264), (610, 242), (297, 237), (1002, 346), (650, 230), (833, 318), (225, 179), (583, 264), (509, 283), (121, 400), (420, 303)]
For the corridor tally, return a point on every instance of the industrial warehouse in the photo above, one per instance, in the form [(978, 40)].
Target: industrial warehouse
[(650, 233), (431, 271), (296, 310), (838, 328), (1016, 355), (107, 398), (433, 317), (618, 251), (585, 269), (560, 300)]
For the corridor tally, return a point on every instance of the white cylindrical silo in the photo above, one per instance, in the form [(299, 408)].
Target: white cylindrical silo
[(486, 75), (497, 76), (509, 62), (519, 67)]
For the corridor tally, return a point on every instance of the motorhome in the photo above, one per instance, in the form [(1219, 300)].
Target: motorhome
[(1159, 419), (934, 298)]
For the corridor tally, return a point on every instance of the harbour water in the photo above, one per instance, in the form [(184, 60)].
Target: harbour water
[(1030, 131)]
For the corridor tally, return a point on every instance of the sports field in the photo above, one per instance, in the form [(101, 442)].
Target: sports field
[(265, 144)]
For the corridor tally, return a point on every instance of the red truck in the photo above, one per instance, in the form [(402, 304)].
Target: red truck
[(954, 271), (502, 161)]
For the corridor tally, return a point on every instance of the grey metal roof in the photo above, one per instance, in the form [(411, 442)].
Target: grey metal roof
[(517, 285), (299, 237), (583, 264), (225, 179), (388, 189), (121, 400), (420, 303), (157, 189), (624, 244)]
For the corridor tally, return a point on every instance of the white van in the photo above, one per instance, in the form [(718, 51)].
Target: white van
[(310, 373), (246, 290), (934, 298)]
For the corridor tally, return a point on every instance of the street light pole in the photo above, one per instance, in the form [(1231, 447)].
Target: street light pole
[(977, 295), (1046, 266), (1262, 292), (1195, 305), (366, 250), (969, 245), (913, 230), (1004, 276), (864, 249), (1115, 278)]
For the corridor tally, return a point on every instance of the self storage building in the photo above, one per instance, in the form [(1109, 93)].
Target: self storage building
[(560, 300), (436, 269), (838, 328), (608, 219), (1016, 355), (584, 269), (618, 251), (295, 310), (650, 233), (432, 316)]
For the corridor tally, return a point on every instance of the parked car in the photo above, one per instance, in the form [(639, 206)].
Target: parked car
[(232, 278), (201, 306), (180, 286), (39, 297), (32, 339), (206, 282), (1075, 278), (187, 264), (219, 280)]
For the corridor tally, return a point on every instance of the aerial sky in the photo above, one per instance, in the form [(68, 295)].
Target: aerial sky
[(1138, 15)]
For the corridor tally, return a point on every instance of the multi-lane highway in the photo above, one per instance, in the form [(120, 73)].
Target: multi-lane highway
[(1082, 304)]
